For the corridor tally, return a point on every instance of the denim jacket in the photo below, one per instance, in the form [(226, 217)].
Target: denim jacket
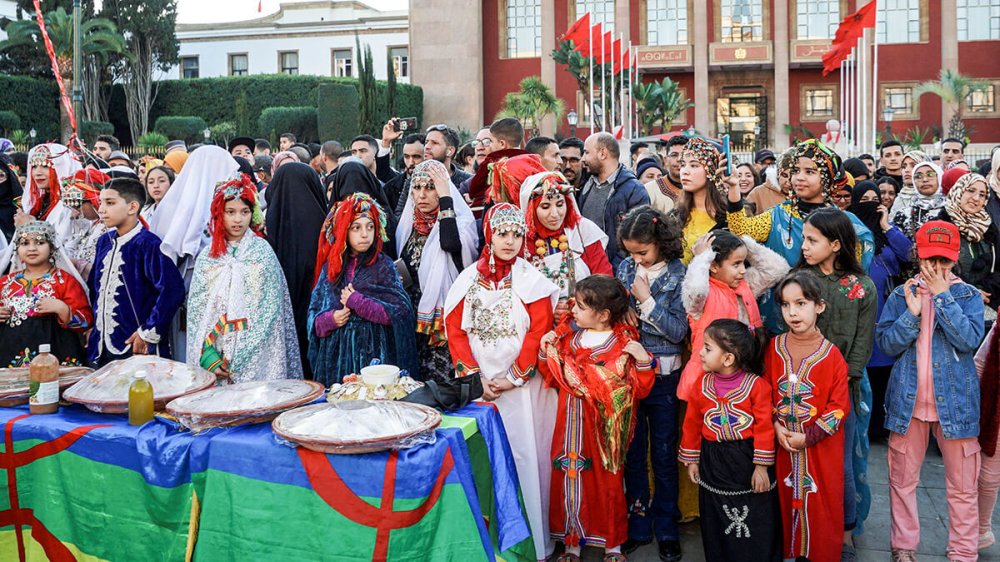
[(958, 329), (664, 331)]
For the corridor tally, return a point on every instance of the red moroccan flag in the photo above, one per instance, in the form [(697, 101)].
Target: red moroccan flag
[(623, 62), (578, 33), (850, 30), (593, 39)]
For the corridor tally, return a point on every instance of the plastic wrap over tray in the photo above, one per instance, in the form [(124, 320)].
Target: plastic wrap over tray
[(356, 388), (245, 402), (358, 426), (106, 389), (14, 383)]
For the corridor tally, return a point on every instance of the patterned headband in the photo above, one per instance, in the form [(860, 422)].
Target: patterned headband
[(705, 152), (240, 187), (831, 168), (41, 156), (552, 186), (37, 230), (505, 217)]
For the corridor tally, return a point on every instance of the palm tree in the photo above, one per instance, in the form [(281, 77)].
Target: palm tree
[(99, 38), (659, 102), (531, 104), (953, 88)]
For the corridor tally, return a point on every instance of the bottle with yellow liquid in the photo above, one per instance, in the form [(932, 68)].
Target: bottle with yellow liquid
[(140, 400)]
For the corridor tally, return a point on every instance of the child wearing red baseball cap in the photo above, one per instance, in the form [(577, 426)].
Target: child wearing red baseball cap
[(932, 325)]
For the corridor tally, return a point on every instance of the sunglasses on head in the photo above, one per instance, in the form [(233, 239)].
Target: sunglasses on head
[(439, 128)]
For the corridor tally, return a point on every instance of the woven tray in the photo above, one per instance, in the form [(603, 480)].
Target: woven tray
[(14, 383), (106, 389), (245, 402), (356, 426)]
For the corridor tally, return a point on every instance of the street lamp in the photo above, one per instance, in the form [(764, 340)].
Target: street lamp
[(572, 118), (756, 137), (208, 134), (32, 133), (887, 117)]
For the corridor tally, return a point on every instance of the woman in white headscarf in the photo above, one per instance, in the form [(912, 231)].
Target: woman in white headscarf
[(436, 239), (48, 165), (182, 217), (928, 202)]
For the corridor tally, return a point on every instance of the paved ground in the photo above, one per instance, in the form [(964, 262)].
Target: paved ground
[(874, 544)]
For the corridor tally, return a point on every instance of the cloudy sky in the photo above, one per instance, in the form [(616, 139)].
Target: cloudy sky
[(200, 11)]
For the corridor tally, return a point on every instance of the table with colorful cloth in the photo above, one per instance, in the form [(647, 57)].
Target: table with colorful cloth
[(87, 486)]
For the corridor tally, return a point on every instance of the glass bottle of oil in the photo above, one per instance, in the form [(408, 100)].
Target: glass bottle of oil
[(140, 400), (43, 381)]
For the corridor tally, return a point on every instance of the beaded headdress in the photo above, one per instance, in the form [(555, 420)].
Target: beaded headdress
[(507, 218), (333, 236), (40, 156), (40, 231), (708, 154), (831, 169), (240, 187)]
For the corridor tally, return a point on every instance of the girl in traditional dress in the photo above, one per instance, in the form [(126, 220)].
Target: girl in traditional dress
[(808, 377), (436, 239), (719, 285), (239, 314), (702, 207), (496, 313), (561, 243), (728, 447), (601, 371), (42, 301), (359, 310), (82, 194), (158, 181), (829, 251), (654, 272)]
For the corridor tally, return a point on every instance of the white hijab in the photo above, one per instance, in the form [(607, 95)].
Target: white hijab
[(182, 217), (585, 233), (437, 270)]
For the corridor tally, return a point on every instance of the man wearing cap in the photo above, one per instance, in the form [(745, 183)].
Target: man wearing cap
[(242, 147), (175, 146), (663, 195), (762, 160), (119, 158)]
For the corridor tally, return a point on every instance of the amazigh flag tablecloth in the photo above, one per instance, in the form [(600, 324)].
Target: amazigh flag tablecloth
[(87, 486)]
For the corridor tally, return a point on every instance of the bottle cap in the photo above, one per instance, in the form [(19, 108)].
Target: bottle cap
[(140, 374), (44, 348)]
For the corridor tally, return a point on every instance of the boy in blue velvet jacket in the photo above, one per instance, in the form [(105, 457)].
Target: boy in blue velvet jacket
[(932, 325), (653, 272)]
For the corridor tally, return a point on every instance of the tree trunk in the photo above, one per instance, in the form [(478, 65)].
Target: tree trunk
[(65, 129)]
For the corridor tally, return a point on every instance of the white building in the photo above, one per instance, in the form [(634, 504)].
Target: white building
[(8, 9), (316, 37)]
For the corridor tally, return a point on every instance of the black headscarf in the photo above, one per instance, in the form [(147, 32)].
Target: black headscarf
[(295, 214), (857, 168), (354, 177), (867, 211), (247, 168), (9, 190)]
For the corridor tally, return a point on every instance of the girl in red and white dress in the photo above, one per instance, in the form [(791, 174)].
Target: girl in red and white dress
[(561, 243), (602, 371), (496, 313)]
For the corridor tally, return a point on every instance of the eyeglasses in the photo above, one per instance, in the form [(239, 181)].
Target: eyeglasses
[(928, 176), (978, 195), (841, 195), (485, 143)]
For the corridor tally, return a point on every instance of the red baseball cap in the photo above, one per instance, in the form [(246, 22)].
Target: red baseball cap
[(938, 239)]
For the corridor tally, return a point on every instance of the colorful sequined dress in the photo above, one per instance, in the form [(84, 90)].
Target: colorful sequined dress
[(599, 388), (240, 316), (810, 482), (26, 329)]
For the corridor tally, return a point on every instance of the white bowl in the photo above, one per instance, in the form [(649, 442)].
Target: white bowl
[(380, 374)]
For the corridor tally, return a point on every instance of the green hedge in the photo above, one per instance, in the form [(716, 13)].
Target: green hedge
[(337, 115), (90, 130), (9, 121), (301, 121), (36, 103), (237, 99), (188, 127)]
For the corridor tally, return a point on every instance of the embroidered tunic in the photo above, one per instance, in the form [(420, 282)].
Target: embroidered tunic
[(743, 413), (495, 329), (810, 482), (134, 287), (599, 387), (26, 328)]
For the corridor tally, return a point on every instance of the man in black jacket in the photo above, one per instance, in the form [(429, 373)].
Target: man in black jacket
[(397, 184)]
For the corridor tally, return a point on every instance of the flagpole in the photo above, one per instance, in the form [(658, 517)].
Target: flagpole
[(875, 100), (612, 86), (620, 101), (631, 80), (862, 90), (843, 96), (604, 89), (590, 80)]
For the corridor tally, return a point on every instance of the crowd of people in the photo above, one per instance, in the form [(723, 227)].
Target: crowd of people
[(666, 334)]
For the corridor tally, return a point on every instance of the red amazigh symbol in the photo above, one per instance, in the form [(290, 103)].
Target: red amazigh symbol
[(54, 549), (329, 486)]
